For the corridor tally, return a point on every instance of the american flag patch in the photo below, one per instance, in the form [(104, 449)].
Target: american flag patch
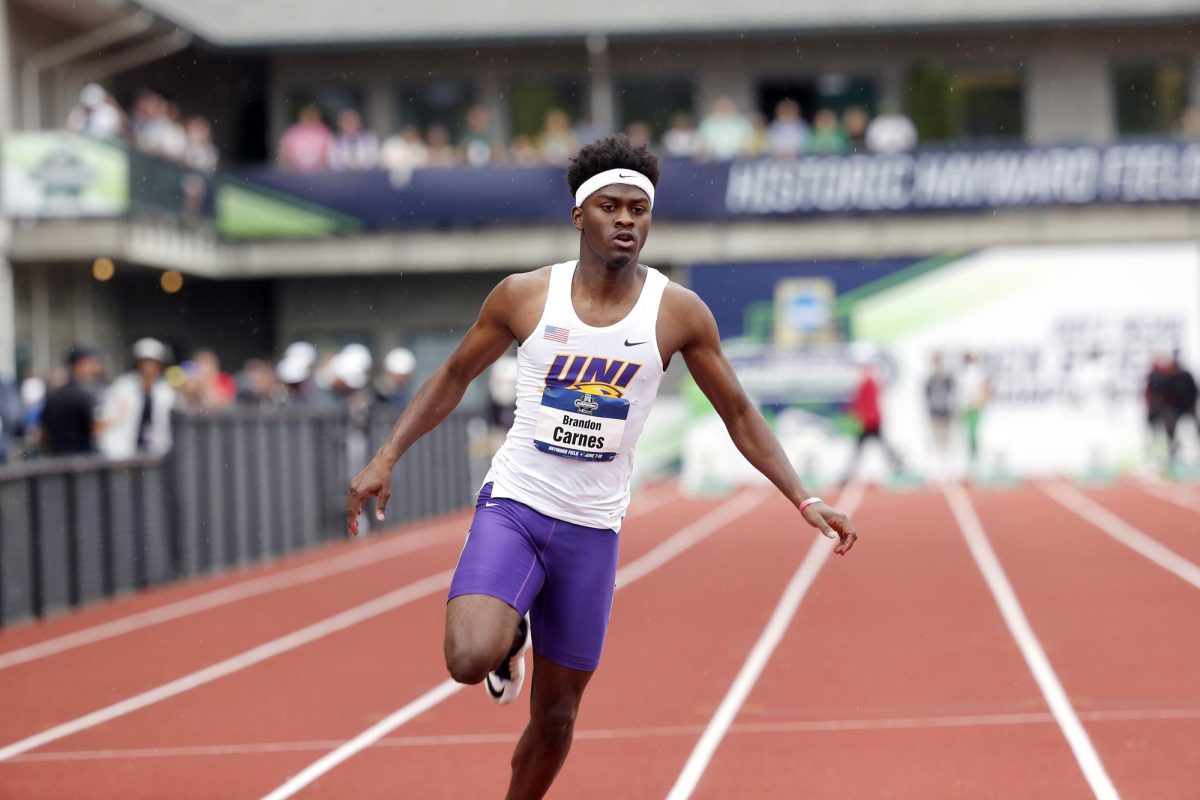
[(556, 334)]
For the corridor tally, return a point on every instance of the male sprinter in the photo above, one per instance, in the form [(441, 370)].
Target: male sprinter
[(595, 336)]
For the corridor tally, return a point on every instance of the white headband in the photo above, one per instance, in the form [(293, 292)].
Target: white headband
[(626, 176)]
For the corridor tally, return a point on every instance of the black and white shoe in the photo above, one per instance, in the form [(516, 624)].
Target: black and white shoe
[(504, 683)]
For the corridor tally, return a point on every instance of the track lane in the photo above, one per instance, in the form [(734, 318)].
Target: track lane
[(910, 631), (1122, 633), (331, 688), (1172, 525), (661, 670)]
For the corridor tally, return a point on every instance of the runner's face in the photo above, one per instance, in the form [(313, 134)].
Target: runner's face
[(615, 222)]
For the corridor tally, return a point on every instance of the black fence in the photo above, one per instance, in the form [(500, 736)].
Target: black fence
[(237, 488)]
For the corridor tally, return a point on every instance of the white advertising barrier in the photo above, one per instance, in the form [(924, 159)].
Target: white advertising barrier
[(1035, 315)]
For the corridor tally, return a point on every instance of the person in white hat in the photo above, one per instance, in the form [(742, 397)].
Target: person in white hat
[(392, 386), (136, 410), (97, 115)]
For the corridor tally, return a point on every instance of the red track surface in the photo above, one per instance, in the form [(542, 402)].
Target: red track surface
[(896, 678)]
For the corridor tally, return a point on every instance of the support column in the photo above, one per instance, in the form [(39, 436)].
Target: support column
[(8, 322), (41, 354), (601, 84)]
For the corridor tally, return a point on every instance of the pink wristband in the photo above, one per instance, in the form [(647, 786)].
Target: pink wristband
[(809, 502)]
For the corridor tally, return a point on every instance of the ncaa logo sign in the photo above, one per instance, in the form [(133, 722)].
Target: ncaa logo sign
[(586, 405)]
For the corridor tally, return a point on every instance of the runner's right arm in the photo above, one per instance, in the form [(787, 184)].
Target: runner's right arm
[(486, 341)]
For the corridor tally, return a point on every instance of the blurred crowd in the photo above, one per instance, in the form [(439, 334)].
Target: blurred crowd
[(78, 410), (154, 125), (725, 133)]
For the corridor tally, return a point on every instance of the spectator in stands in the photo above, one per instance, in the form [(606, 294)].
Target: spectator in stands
[(828, 138), (891, 131), (156, 127), (200, 157), (479, 139), (11, 418), (940, 405), (557, 141), (206, 387), (1189, 124), (402, 152), (391, 387), (724, 134), (680, 139), (639, 134), (136, 412), (256, 384), (353, 149), (68, 422), (757, 144), (199, 152), (788, 135), (174, 142), (295, 372), (855, 122), (441, 151), (523, 152), (305, 144), (147, 113), (96, 115), (33, 398)]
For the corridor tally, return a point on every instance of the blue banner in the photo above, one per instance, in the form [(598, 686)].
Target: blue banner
[(924, 181)]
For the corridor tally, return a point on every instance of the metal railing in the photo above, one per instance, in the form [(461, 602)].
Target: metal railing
[(238, 487)]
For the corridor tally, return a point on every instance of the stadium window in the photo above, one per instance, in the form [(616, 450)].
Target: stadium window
[(654, 101), (1150, 97), (835, 91), (329, 99), (440, 102), (531, 99), (949, 104), (990, 103)]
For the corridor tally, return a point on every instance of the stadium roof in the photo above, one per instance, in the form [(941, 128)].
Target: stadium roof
[(297, 22)]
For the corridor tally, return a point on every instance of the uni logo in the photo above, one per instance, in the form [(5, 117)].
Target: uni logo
[(591, 374)]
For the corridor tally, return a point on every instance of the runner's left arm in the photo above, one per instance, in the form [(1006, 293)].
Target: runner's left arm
[(700, 344)]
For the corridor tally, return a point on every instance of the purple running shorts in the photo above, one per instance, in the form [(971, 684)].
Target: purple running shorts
[(563, 574)]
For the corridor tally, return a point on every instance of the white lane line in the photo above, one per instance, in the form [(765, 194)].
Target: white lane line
[(363, 555), (370, 552), (688, 537), (760, 654), (1141, 543), (1018, 625), (275, 647), (1172, 494), (604, 734)]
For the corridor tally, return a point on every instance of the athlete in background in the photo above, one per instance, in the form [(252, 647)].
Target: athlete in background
[(595, 336)]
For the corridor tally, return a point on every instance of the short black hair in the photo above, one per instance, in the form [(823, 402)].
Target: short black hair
[(78, 352), (612, 152)]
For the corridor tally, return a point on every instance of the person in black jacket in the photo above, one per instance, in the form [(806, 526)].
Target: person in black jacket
[(1184, 394), (69, 418)]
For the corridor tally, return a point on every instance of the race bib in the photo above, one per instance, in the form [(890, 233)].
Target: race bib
[(578, 425)]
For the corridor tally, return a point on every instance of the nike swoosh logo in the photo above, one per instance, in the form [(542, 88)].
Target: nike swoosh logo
[(490, 505), (492, 690), (623, 175), (633, 344)]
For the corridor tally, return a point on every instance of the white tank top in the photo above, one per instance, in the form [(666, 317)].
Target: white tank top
[(583, 395)]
